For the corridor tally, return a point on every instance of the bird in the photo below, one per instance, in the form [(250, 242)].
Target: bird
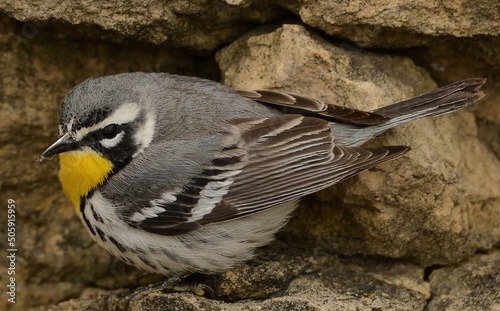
[(178, 175)]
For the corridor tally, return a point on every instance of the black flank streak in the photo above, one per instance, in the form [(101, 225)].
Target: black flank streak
[(95, 215), (82, 205), (147, 262), (89, 225), (171, 256), (101, 234), (118, 245), (87, 222)]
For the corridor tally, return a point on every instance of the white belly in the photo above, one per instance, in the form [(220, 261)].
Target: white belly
[(213, 248)]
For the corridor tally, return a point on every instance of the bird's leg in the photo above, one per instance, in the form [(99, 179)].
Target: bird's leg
[(171, 285), (141, 292), (196, 288)]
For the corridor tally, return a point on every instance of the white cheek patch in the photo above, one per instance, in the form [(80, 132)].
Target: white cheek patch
[(112, 142), (126, 113), (144, 134)]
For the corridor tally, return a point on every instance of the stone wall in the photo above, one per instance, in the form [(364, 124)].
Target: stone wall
[(419, 232)]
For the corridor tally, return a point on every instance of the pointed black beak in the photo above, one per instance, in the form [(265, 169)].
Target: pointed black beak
[(63, 144)]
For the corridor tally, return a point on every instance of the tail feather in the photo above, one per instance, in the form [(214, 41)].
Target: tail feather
[(440, 101)]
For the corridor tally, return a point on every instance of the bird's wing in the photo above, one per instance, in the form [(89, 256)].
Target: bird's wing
[(262, 163), (293, 103), (445, 99)]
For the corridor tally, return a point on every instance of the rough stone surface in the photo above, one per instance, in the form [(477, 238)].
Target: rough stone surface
[(205, 24), (489, 120), (472, 285), (387, 23), (436, 205), (201, 24), (469, 58), (346, 284)]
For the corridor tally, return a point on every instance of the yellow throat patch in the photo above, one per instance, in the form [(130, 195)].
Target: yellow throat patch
[(80, 172)]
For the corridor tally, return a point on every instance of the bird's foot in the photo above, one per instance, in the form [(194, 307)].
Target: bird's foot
[(171, 285)]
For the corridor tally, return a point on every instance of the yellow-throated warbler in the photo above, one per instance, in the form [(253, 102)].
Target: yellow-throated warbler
[(177, 174)]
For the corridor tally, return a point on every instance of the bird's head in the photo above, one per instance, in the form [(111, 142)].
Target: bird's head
[(104, 124)]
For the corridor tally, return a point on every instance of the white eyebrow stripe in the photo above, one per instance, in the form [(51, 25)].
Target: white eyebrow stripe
[(126, 113)]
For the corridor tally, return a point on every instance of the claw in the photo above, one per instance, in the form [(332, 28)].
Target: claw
[(199, 289), (207, 291), (172, 285)]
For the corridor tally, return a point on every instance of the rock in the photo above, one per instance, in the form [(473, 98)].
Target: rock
[(472, 285), (470, 58), (208, 23), (199, 25), (436, 205), (489, 120), (347, 284), (98, 300), (398, 23), (266, 275)]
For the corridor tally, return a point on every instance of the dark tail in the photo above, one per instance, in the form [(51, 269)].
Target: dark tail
[(440, 101)]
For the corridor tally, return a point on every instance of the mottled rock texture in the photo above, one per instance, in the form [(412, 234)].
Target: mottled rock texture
[(413, 234)]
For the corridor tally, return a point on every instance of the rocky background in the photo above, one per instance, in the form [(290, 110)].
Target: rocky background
[(418, 233)]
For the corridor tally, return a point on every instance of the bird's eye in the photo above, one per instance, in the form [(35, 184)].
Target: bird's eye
[(110, 131)]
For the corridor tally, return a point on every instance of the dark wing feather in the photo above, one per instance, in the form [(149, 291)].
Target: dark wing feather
[(290, 156), (293, 103), (263, 162)]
